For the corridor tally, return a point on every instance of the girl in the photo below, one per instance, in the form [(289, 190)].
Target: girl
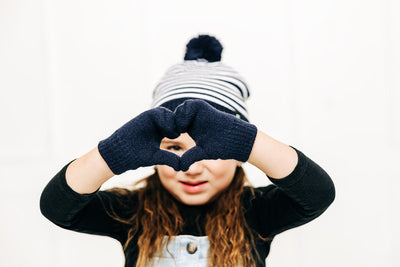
[(195, 210)]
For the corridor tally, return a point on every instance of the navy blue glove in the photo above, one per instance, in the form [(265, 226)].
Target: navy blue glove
[(137, 143), (218, 135)]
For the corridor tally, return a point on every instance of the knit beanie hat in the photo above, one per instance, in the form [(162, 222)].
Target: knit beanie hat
[(203, 76)]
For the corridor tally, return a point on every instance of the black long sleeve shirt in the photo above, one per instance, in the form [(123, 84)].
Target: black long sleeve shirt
[(287, 203)]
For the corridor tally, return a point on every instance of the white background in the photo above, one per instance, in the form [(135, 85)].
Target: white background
[(324, 77)]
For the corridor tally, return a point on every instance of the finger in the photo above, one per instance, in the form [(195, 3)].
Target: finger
[(191, 156), (184, 115), (164, 121), (162, 157)]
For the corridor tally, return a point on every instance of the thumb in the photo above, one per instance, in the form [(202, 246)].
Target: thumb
[(191, 156), (162, 157)]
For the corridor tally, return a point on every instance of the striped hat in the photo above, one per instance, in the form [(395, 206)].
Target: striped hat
[(202, 76)]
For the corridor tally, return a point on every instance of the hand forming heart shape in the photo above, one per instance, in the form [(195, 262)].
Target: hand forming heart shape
[(218, 135)]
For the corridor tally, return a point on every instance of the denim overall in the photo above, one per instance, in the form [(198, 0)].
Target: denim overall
[(184, 251)]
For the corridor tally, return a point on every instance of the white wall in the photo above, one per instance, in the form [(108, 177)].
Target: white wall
[(324, 77)]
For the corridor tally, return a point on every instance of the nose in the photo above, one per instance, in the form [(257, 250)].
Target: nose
[(195, 168)]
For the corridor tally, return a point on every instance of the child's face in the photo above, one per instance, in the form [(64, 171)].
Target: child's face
[(202, 182)]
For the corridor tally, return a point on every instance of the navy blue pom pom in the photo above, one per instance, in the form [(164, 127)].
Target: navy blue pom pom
[(204, 46)]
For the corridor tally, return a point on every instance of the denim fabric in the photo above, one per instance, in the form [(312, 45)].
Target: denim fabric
[(175, 254)]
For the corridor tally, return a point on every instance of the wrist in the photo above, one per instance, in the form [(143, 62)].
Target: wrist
[(116, 153), (241, 140)]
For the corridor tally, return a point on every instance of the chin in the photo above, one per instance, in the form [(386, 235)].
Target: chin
[(193, 202)]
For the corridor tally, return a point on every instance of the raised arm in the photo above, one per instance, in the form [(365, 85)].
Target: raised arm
[(301, 189), (72, 198)]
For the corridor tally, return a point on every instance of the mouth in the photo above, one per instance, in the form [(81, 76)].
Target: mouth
[(194, 187), (193, 183)]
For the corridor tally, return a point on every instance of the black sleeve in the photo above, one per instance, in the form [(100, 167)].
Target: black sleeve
[(294, 200), (83, 213)]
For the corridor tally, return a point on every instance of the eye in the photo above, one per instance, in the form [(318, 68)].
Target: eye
[(175, 148)]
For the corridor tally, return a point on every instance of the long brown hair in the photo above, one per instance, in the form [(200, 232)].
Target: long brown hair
[(157, 215)]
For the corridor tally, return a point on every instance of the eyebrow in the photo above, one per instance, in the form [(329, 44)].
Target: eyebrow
[(169, 141)]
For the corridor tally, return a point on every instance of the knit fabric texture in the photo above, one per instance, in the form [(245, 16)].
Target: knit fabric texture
[(137, 143), (218, 135)]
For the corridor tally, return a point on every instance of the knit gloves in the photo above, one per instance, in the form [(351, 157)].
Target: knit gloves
[(218, 135), (137, 143)]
